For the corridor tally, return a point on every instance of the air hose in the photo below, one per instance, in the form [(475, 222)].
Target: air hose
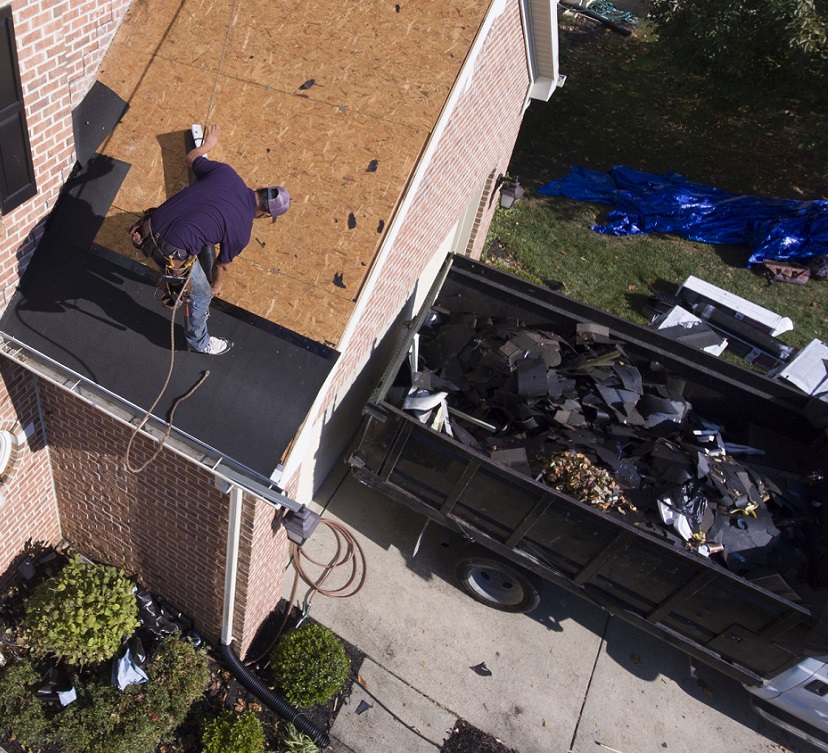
[(271, 699), (348, 553), (128, 454)]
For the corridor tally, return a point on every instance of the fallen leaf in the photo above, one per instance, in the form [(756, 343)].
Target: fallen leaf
[(361, 681)]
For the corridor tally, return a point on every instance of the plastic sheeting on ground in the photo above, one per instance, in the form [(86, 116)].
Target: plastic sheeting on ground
[(781, 229)]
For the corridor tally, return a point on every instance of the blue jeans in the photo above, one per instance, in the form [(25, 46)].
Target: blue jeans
[(195, 325)]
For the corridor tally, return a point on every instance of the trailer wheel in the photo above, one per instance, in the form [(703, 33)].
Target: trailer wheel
[(497, 584)]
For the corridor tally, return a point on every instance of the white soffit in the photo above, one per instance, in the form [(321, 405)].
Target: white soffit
[(540, 27)]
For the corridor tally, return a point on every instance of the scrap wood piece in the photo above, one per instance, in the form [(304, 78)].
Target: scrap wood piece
[(604, 359), (592, 333)]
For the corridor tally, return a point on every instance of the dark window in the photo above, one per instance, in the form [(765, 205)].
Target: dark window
[(17, 181)]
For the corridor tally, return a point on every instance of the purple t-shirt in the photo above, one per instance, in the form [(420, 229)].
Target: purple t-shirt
[(217, 208)]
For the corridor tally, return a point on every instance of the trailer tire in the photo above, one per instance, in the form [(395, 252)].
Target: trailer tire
[(497, 583)]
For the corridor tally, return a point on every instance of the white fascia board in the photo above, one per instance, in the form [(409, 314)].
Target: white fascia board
[(301, 447)]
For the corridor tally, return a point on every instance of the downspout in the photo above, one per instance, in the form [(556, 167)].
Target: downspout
[(247, 678)]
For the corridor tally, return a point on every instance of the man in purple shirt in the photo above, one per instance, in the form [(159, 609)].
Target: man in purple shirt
[(218, 209)]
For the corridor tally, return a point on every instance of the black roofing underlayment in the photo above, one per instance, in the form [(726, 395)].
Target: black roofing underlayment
[(94, 118), (97, 314), (565, 407)]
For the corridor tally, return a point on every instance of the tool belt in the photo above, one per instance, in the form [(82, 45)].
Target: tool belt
[(169, 258)]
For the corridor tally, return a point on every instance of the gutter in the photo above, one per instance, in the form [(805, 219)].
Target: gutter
[(227, 472)]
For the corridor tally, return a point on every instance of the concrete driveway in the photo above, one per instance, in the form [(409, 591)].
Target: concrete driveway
[(566, 678)]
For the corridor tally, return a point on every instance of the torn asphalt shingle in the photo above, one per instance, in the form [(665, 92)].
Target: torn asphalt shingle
[(527, 394)]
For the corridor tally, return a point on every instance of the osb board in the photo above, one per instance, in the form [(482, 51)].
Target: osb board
[(364, 56), (395, 61), (381, 79), (322, 156), (149, 24), (166, 98)]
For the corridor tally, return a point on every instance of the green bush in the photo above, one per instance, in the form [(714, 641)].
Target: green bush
[(291, 740), (106, 720), (310, 665), (180, 669), (768, 41), (21, 713), (82, 614), (233, 733)]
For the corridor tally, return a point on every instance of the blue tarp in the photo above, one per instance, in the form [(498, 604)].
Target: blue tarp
[(781, 229)]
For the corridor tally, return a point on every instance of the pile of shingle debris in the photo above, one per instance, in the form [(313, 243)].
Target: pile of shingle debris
[(574, 412)]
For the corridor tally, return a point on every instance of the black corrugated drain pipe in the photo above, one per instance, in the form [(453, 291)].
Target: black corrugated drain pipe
[(242, 673), (271, 699)]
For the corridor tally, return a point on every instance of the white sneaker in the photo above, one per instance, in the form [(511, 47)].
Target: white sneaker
[(216, 346)]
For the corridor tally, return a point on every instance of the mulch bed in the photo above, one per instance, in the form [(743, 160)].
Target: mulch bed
[(224, 690)]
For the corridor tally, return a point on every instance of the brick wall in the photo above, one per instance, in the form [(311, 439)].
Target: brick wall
[(264, 555), (28, 511), (60, 44), (167, 524)]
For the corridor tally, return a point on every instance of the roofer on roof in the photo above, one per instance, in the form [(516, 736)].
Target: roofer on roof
[(218, 209)]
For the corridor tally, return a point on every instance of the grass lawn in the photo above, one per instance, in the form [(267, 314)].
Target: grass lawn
[(622, 106)]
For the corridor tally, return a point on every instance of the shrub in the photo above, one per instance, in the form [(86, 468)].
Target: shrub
[(82, 614), (181, 670), (21, 712), (106, 720), (239, 733), (310, 665), (291, 740)]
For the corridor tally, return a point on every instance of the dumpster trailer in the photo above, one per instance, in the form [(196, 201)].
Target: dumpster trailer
[(679, 491)]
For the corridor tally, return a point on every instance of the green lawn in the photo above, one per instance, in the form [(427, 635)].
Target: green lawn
[(622, 106)]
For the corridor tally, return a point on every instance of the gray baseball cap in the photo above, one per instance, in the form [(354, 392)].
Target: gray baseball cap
[(278, 201)]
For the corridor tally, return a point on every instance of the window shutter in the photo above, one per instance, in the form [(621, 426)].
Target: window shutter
[(17, 179)]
